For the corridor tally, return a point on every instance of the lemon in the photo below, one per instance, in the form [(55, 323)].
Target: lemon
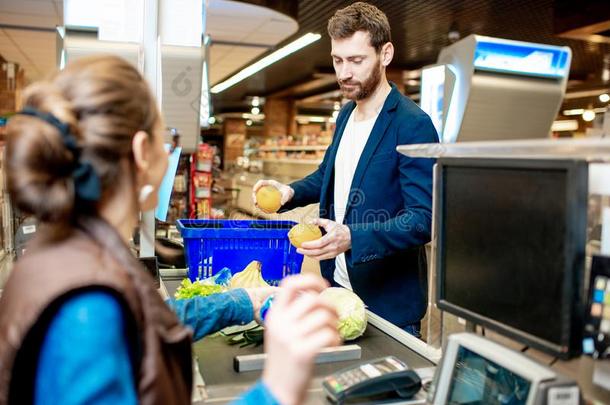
[(269, 199), (303, 233)]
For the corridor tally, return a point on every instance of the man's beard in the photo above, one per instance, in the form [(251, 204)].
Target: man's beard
[(362, 90)]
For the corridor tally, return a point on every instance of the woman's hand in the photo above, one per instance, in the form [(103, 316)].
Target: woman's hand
[(257, 297), (297, 327)]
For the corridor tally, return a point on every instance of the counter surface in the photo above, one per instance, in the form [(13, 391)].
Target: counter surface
[(223, 384), (215, 358)]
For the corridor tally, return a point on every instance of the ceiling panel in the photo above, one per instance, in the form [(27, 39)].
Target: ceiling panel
[(31, 13), (34, 46), (33, 50), (226, 59), (230, 23), (419, 31)]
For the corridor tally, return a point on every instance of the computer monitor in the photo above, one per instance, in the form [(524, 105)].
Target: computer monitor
[(511, 237), (475, 370)]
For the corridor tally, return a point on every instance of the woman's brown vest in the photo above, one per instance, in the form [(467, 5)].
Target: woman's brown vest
[(51, 272)]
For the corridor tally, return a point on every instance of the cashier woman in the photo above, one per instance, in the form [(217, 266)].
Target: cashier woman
[(80, 321)]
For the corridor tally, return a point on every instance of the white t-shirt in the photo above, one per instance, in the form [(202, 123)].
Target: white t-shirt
[(353, 141)]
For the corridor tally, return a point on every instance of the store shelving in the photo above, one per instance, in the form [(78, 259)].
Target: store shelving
[(294, 161), (293, 148)]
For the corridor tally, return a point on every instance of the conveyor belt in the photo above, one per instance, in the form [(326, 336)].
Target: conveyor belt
[(215, 359), (222, 383)]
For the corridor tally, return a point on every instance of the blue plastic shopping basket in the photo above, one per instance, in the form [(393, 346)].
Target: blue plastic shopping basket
[(211, 245)]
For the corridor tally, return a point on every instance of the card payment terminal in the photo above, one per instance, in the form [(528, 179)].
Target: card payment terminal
[(376, 377)]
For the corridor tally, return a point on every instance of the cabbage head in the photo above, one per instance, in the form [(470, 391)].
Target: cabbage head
[(351, 310)]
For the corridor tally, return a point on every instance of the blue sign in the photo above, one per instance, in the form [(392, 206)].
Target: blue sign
[(167, 184), (522, 58)]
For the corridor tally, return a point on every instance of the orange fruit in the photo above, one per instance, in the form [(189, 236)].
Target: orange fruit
[(269, 199)]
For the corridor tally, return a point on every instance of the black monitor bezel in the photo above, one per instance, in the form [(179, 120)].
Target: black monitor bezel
[(573, 304)]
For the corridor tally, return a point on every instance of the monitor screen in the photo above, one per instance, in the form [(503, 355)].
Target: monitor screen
[(511, 239), (477, 380)]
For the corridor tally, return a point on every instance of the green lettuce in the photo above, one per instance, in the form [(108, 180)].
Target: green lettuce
[(189, 289), (351, 311)]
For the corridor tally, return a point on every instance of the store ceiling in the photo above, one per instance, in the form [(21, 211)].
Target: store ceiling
[(242, 32), (419, 31), (27, 34)]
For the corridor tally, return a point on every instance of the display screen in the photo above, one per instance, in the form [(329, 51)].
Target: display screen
[(597, 328), (522, 58), (432, 94), (505, 241), (477, 380)]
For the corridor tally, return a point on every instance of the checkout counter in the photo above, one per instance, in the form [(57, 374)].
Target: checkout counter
[(220, 383), (476, 92), (216, 381)]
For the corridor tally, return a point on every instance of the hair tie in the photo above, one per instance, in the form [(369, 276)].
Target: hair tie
[(87, 184)]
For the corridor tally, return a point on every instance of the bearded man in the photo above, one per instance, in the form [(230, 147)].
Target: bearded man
[(375, 204)]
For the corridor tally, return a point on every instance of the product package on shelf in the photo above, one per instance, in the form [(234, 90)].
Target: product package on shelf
[(201, 181), (179, 200), (204, 208), (203, 185), (205, 158)]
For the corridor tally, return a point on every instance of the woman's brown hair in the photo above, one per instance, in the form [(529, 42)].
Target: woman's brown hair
[(105, 101)]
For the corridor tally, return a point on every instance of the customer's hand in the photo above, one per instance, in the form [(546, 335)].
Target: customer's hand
[(286, 191), (297, 327), (257, 297), (338, 239)]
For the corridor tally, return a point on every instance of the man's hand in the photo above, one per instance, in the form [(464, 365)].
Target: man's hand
[(338, 239), (286, 191)]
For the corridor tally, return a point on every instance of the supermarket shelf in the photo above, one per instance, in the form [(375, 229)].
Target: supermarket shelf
[(303, 148), (294, 161)]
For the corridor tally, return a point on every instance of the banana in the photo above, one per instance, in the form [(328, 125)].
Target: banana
[(250, 277)]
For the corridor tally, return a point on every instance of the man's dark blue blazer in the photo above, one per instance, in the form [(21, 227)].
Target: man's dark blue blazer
[(388, 210)]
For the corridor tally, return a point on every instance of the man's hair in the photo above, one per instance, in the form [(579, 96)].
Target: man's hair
[(360, 16)]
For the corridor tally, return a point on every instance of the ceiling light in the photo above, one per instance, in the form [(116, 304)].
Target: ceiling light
[(337, 106), (249, 122), (316, 118), (588, 115), (253, 117), (335, 114), (565, 125), (255, 101), (266, 61), (62, 60), (211, 120), (255, 110), (576, 111), (604, 98)]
